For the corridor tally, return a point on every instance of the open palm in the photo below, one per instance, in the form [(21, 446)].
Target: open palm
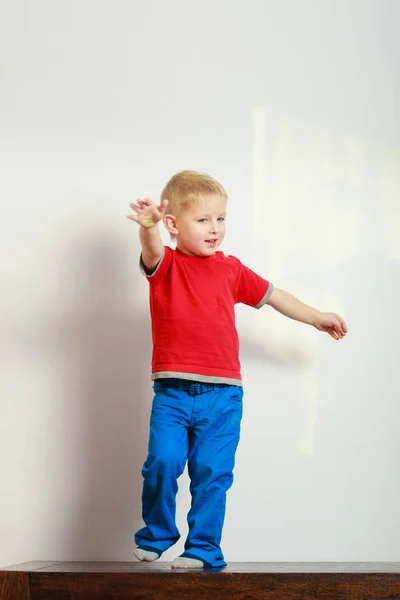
[(147, 213)]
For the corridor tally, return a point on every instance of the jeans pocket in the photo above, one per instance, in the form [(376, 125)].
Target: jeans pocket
[(157, 386), (235, 394)]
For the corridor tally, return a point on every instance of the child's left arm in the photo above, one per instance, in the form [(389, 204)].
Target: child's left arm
[(291, 307)]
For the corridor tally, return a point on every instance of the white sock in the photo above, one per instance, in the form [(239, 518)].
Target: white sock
[(183, 562), (145, 555)]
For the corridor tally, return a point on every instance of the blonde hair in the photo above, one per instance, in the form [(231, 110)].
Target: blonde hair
[(187, 187)]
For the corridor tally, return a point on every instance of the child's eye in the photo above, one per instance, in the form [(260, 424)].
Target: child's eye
[(221, 218), (202, 220)]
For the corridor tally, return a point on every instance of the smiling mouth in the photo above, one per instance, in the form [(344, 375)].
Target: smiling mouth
[(211, 241)]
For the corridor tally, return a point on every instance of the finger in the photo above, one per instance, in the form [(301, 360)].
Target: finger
[(341, 329), (141, 203), (338, 332), (338, 327), (341, 325), (333, 334), (132, 218), (162, 208), (147, 201)]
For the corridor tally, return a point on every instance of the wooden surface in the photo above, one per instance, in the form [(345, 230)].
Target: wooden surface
[(51, 580), (234, 567), (14, 585)]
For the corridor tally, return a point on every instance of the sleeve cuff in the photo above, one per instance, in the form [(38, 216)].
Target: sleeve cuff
[(266, 296), (149, 274)]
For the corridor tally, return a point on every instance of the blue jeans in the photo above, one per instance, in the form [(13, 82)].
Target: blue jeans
[(198, 423)]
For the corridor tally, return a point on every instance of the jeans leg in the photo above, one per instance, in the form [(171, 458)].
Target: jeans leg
[(167, 455), (213, 442)]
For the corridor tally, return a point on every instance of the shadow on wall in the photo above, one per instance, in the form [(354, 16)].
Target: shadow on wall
[(110, 342)]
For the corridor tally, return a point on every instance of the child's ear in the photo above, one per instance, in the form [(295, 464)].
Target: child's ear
[(170, 224)]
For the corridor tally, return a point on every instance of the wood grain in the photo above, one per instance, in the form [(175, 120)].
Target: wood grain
[(205, 586), (14, 585), (238, 581)]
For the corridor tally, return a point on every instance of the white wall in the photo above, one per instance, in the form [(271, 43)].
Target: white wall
[(294, 106)]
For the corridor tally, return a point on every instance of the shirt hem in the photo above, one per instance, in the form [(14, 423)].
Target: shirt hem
[(197, 377)]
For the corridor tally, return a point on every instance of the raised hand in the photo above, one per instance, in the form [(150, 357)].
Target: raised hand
[(332, 324), (147, 213)]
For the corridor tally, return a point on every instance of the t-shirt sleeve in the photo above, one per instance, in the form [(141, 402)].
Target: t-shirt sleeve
[(251, 289), (161, 269)]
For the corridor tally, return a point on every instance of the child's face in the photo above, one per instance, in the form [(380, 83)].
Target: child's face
[(201, 228)]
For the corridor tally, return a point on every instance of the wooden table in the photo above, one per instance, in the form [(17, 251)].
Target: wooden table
[(53, 580)]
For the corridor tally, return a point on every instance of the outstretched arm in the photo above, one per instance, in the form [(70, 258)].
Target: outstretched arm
[(293, 308), (147, 215)]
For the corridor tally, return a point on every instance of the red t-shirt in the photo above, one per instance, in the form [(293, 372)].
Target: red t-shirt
[(192, 302)]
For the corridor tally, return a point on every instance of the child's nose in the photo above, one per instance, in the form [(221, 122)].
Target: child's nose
[(214, 227)]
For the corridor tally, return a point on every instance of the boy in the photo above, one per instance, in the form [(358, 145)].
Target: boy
[(197, 407)]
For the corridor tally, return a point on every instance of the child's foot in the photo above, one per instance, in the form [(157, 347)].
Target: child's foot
[(184, 562), (145, 555)]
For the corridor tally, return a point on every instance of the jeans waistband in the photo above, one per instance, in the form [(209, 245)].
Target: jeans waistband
[(191, 387)]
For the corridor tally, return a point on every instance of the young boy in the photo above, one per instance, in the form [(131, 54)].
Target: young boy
[(197, 407)]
